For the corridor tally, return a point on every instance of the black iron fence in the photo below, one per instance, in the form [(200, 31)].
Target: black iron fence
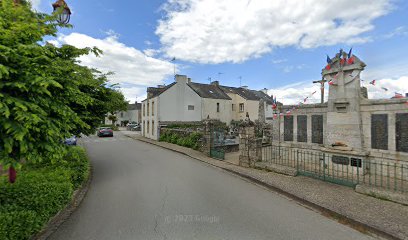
[(345, 169)]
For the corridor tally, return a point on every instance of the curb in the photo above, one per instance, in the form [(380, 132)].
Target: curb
[(64, 214), (341, 218)]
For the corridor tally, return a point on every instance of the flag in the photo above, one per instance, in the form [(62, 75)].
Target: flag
[(331, 82), (275, 116), (349, 54), (173, 59), (385, 89), (350, 61), (328, 67), (314, 92), (373, 82), (304, 100), (329, 61), (398, 95), (342, 61), (341, 52)]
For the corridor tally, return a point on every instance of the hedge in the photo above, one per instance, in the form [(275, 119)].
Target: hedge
[(39, 193), (191, 140)]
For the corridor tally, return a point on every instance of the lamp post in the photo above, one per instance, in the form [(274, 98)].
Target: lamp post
[(65, 15)]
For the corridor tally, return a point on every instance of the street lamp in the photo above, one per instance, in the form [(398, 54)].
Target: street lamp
[(65, 15)]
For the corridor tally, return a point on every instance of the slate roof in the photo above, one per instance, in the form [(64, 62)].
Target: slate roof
[(245, 93), (157, 91), (268, 99), (208, 91), (135, 106)]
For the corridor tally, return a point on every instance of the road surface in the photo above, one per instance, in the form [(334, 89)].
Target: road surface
[(141, 191)]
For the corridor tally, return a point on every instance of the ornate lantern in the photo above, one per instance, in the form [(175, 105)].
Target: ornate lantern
[(65, 15)]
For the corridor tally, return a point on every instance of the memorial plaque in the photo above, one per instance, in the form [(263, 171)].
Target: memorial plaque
[(302, 128), (288, 128), (401, 132), (355, 162), (340, 160), (379, 131), (317, 129)]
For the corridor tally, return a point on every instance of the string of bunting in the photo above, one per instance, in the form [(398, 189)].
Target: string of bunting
[(293, 109), (396, 94)]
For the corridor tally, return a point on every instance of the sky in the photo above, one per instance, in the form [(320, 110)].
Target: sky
[(280, 45)]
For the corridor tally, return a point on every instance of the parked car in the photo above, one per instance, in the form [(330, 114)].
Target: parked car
[(105, 132), (72, 141), (133, 127)]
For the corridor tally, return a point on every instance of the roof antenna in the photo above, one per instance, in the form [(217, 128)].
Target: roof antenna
[(209, 79)]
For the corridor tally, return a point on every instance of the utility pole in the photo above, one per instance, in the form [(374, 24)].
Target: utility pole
[(322, 82)]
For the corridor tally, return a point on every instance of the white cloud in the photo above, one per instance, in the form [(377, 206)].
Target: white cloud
[(295, 93), (216, 31), (133, 69)]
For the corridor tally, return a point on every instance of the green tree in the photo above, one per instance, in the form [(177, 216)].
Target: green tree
[(45, 95), (113, 118)]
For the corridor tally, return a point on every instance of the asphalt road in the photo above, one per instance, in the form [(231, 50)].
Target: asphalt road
[(141, 191)]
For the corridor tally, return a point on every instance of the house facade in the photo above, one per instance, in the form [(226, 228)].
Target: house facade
[(133, 114), (183, 101)]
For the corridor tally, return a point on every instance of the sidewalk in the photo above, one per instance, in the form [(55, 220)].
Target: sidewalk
[(359, 211)]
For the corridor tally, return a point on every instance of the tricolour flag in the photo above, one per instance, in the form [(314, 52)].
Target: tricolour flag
[(398, 95), (373, 82), (349, 54)]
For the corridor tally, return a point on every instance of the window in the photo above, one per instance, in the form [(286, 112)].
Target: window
[(153, 108), (233, 107), (218, 107), (153, 130), (241, 107), (148, 109), (144, 109), (121, 114), (379, 131), (190, 107), (148, 125), (144, 128)]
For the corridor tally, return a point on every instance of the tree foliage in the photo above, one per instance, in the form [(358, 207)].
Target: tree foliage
[(45, 95)]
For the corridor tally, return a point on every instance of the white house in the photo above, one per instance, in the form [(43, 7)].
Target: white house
[(133, 114), (183, 101)]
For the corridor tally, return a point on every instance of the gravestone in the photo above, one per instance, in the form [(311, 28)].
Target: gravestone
[(343, 117)]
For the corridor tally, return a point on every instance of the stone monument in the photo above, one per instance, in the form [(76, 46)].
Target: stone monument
[(344, 124)]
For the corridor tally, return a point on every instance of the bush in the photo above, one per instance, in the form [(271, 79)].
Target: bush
[(39, 193), (113, 127), (190, 141)]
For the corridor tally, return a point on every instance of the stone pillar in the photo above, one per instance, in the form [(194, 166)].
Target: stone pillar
[(250, 147), (208, 137), (344, 125)]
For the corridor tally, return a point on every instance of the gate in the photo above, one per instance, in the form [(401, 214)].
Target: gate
[(217, 149), (328, 167)]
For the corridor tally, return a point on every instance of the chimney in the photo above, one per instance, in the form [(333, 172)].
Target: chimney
[(265, 91), (181, 79), (161, 86), (135, 102), (244, 87), (188, 80), (215, 83)]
